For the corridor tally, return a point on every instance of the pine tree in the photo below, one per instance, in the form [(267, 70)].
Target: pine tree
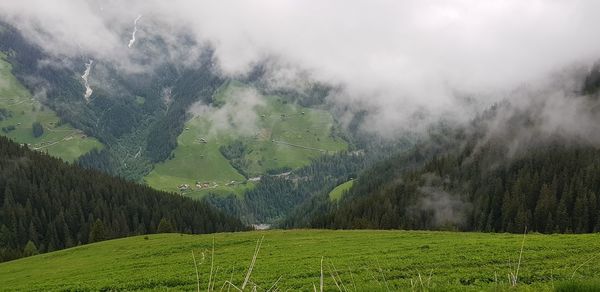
[(545, 206), (164, 226), (521, 220), (580, 214), (30, 249), (562, 217), (98, 232), (37, 129)]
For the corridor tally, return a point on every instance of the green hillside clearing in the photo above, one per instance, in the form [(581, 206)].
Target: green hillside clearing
[(19, 110), (339, 191), (274, 135), (367, 260)]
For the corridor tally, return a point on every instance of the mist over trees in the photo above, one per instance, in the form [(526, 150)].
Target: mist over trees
[(552, 189), (500, 173)]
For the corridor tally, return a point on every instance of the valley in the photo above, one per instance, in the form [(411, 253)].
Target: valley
[(299, 146)]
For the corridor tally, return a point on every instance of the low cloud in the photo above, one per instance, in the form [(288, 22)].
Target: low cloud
[(553, 110), (447, 209), (238, 115), (408, 63), (444, 209)]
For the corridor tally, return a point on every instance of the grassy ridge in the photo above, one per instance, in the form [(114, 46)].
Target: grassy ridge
[(369, 260), (276, 134), (61, 141)]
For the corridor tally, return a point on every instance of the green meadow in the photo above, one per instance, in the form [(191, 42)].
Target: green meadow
[(339, 191), (20, 110), (275, 134), (359, 260)]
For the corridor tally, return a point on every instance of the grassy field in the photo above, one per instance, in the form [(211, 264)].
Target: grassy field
[(339, 191), (361, 260), (194, 161), (23, 110), (276, 135)]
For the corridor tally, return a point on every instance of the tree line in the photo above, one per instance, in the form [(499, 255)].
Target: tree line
[(48, 205)]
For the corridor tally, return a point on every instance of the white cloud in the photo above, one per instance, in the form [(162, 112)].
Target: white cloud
[(396, 58), (238, 115)]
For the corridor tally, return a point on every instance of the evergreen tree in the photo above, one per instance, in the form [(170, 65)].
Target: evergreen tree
[(30, 249), (37, 129), (545, 206), (164, 226), (562, 217), (98, 232)]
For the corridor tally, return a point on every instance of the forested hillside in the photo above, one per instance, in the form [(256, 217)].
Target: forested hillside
[(409, 152), (276, 196), (48, 205), (474, 179), (552, 189)]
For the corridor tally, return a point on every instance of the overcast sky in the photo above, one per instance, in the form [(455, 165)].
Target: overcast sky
[(393, 57)]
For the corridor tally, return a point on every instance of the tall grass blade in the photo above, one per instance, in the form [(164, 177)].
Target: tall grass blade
[(251, 267), (321, 281), (212, 261), (196, 267)]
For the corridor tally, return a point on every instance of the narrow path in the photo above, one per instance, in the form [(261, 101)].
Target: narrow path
[(50, 129), (65, 138), (299, 146), (138, 153), (16, 103)]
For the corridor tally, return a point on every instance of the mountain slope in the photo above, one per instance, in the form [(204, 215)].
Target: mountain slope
[(52, 205), (245, 135), (553, 189), (136, 114), (19, 111)]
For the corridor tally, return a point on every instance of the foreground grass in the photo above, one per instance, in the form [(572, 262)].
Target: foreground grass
[(361, 260), (61, 141)]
